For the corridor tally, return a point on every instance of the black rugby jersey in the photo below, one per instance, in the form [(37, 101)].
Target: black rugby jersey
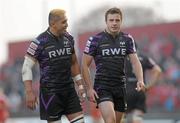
[(147, 64), (109, 54), (54, 55)]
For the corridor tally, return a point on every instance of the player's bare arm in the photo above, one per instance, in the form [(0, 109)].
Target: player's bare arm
[(138, 71), (155, 73), (86, 62), (31, 98), (75, 70)]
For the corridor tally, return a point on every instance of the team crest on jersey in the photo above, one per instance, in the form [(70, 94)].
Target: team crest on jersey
[(122, 44), (66, 43)]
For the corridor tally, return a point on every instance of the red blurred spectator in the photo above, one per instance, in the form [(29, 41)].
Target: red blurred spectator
[(4, 112)]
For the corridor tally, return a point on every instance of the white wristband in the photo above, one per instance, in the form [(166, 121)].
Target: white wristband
[(77, 78), (84, 95), (80, 87)]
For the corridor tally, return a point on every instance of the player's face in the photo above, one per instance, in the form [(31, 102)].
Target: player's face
[(113, 23), (61, 25)]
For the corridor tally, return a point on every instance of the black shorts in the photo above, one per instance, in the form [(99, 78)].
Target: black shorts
[(54, 105), (135, 99), (116, 95)]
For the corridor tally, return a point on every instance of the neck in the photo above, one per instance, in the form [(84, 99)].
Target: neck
[(53, 31), (111, 33)]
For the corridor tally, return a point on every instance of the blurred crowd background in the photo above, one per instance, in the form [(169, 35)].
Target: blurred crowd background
[(155, 37)]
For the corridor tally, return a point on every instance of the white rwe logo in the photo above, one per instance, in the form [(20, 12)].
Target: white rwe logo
[(60, 52), (114, 51)]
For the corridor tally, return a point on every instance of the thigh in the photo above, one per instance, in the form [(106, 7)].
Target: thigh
[(104, 94), (132, 96), (141, 101), (119, 97), (107, 110), (105, 104), (51, 107), (76, 117), (72, 104), (135, 99)]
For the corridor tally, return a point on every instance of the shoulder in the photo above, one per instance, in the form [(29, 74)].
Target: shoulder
[(68, 35), (127, 36), (41, 38), (97, 37)]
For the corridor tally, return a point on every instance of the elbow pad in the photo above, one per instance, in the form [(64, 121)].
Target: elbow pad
[(27, 68)]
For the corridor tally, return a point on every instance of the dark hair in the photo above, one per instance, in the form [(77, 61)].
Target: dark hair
[(113, 10)]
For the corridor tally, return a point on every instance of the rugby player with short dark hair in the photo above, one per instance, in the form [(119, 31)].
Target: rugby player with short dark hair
[(109, 50)]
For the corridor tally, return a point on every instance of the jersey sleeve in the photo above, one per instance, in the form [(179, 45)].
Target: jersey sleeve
[(150, 63), (34, 49), (131, 45), (91, 47)]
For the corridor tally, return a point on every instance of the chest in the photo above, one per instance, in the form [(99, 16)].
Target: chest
[(112, 48), (58, 48)]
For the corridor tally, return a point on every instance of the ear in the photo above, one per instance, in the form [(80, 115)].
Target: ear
[(52, 23)]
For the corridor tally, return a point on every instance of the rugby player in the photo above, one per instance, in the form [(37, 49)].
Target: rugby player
[(136, 101), (109, 50), (54, 51)]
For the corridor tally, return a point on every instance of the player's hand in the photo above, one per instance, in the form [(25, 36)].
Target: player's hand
[(92, 95), (81, 93), (140, 86), (31, 100)]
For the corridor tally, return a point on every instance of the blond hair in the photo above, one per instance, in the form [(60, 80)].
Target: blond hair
[(55, 15)]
